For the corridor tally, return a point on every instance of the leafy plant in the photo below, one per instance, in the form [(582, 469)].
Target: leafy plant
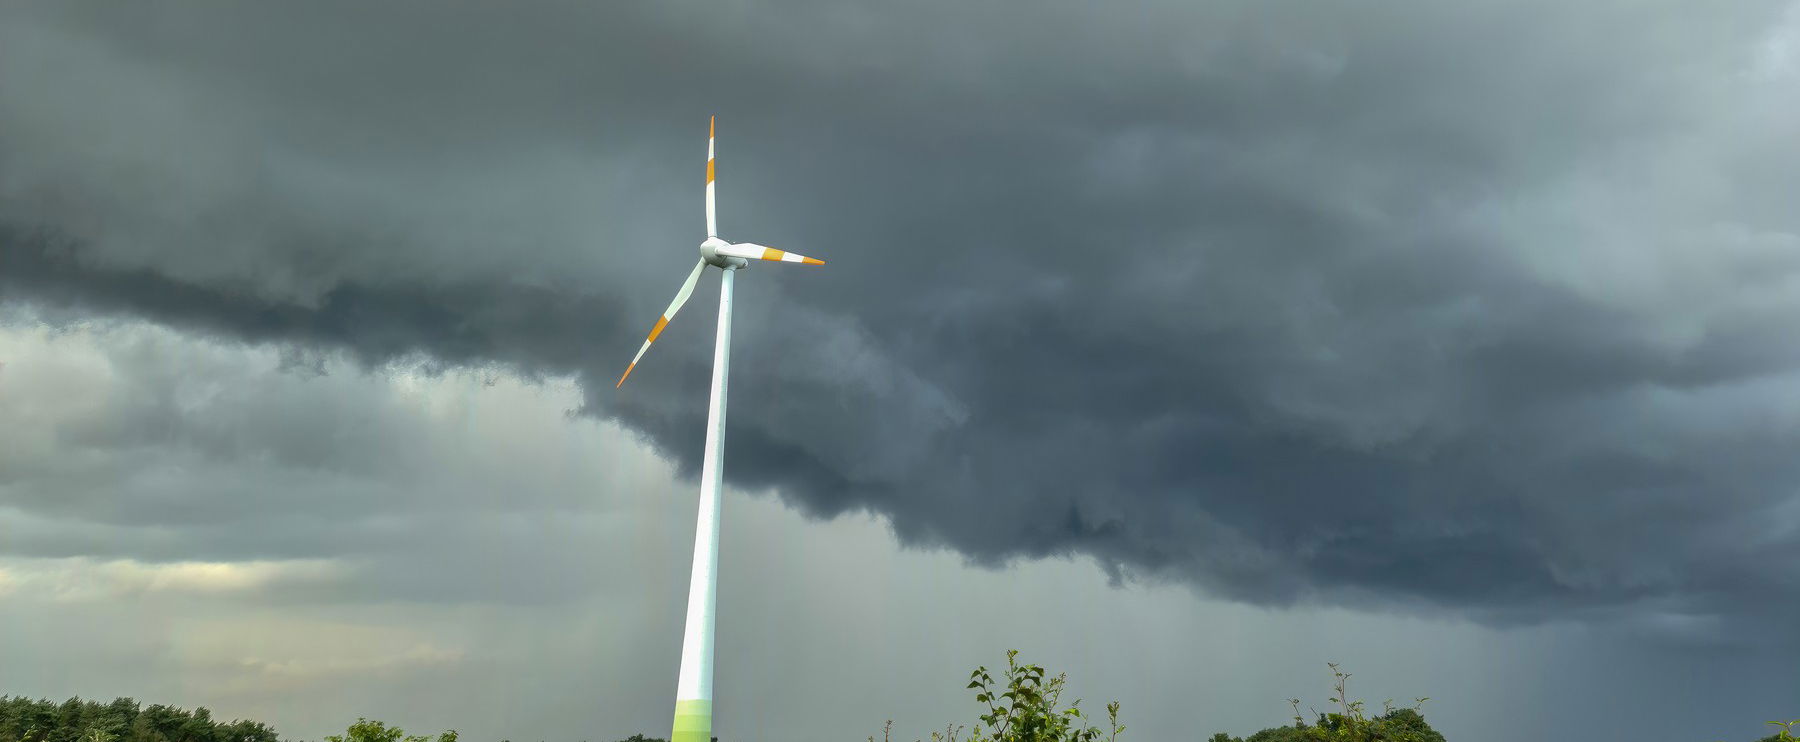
[(1786, 733), (1024, 709)]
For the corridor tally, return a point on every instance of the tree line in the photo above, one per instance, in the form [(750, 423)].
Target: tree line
[(123, 720), (1022, 704)]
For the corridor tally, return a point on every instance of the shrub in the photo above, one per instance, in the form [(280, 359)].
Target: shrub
[(1026, 710), (1349, 723)]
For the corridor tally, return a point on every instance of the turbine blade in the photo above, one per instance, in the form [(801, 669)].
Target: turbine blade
[(753, 251), (681, 297), (712, 219)]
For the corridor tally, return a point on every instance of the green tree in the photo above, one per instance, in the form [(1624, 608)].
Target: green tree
[(365, 730)]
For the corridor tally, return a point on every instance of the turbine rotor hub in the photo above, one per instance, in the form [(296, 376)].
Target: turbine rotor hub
[(709, 252)]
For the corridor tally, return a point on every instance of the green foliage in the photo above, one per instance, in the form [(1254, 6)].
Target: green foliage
[(1785, 735), (76, 720), (374, 731), (1349, 723), (1025, 710), (1277, 734)]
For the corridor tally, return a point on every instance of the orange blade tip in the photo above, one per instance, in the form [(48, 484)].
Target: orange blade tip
[(627, 374), (811, 261)]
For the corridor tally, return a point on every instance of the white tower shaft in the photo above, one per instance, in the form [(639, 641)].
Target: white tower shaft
[(693, 691)]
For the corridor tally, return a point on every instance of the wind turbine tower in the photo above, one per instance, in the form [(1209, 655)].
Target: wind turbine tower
[(693, 691)]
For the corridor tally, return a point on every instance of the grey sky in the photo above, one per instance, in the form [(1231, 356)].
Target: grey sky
[(1474, 315)]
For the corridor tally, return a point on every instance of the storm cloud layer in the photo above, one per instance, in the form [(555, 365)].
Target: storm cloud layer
[(1483, 309)]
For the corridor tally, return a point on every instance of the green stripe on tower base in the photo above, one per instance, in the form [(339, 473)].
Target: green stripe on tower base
[(693, 722)]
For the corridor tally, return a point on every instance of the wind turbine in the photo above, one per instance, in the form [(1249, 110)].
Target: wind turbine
[(693, 691)]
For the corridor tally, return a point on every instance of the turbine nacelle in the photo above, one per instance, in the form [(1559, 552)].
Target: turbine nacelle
[(718, 253), (715, 251)]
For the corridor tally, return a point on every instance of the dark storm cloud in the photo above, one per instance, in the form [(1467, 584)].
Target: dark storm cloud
[(457, 323), (1479, 308)]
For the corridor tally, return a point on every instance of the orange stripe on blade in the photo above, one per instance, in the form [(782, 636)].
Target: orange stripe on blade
[(709, 171), (661, 322), (770, 253)]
